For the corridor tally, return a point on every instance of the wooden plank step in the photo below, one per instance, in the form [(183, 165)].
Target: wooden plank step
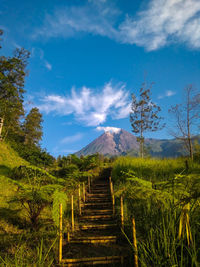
[(98, 195), (93, 260), (98, 226), (103, 204), (100, 185), (102, 200), (100, 192), (96, 217), (95, 237), (107, 211)]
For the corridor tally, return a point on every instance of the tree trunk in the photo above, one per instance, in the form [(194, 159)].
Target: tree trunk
[(1, 127)]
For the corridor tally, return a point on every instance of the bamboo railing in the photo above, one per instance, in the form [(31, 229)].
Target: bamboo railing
[(81, 192), (134, 240)]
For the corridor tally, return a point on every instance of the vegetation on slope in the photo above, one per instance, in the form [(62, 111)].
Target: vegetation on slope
[(163, 196)]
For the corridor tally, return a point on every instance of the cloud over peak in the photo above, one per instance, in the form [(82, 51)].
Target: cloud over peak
[(108, 129)]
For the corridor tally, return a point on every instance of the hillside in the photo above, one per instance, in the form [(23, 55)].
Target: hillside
[(9, 159)]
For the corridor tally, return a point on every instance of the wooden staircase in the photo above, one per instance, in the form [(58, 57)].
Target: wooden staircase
[(97, 240)]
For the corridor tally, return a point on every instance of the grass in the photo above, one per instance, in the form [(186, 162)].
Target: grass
[(155, 192)]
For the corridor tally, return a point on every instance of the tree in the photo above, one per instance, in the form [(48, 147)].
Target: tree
[(186, 117), (12, 78), (144, 115), (32, 127)]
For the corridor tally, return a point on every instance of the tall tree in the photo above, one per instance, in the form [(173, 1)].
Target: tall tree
[(12, 78), (186, 117), (32, 127), (144, 115)]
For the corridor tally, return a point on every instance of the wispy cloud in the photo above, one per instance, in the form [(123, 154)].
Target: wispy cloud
[(72, 138), (96, 17), (167, 93), (108, 129), (162, 22), (88, 106), (37, 52), (48, 65)]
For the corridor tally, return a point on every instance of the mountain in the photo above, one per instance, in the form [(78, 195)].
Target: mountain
[(121, 142), (111, 143)]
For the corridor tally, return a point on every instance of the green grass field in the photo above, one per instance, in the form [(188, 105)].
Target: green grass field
[(156, 193)]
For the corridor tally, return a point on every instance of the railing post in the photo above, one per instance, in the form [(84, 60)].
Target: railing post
[(83, 192), (113, 198), (79, 198), (110, 184), (122, 212), (135, 245), (60, 233), (72, 207), (68, 237), (88, 184)]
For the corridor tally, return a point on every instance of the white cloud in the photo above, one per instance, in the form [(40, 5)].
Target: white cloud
[(72, 139), (167, 93), (96, 17), (48, 65), (89, 107), (163, 22), (160, 23), (108, 129)]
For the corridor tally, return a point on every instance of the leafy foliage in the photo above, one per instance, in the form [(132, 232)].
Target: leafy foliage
[(12, 76), (32, 127)]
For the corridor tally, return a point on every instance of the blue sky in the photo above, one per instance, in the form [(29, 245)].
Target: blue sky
[(87, 57)]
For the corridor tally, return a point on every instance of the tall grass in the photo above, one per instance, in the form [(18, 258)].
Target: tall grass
[(152, 169), (155, 192)]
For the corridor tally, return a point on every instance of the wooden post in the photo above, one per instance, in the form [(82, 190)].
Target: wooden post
[(83, 192), (68, 237), (113, 204), (111, 189), (113, 198), (72, 206), (1, 127), (122, 212), (88, 184), (110, 183), (135, 245), (79, 198), (60, 233)]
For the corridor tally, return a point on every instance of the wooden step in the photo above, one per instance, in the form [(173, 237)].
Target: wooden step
[(93, 261), (98, 226), (98, 199), (95, 211), (93, 241), (103, 204), (98, 195), (96, 217)]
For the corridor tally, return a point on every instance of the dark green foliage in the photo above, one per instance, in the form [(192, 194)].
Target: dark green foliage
[(33, 154), (32, 127), (12, 77), (32, 175)]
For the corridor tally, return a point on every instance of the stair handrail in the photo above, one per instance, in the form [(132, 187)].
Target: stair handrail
[(134, 240)]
